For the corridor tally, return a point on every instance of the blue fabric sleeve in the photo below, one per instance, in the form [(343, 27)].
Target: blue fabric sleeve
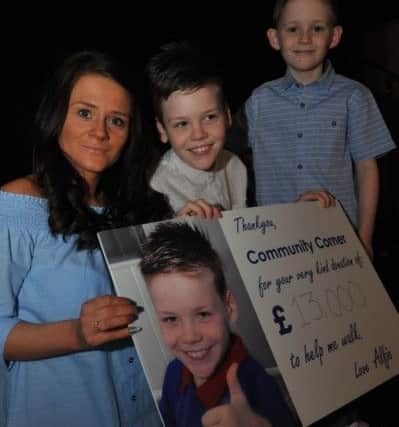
[(16, 249), (250, 114), (368, 135)]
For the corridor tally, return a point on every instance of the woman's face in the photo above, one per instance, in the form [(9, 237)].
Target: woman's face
[(96, 126)]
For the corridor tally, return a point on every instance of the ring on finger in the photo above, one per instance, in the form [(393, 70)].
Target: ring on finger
[(96, 325)]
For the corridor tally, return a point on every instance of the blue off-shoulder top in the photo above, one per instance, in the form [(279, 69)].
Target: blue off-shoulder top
[(43, 278)]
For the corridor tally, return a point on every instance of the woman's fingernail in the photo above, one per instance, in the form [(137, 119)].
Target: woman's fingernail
[(134, 329)]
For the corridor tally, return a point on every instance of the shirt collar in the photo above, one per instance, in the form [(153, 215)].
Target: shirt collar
[(324, 82), (188, 170), (211, 392)]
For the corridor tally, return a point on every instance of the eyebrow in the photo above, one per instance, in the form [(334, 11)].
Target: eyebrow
[(200, 308), (210, 110), (164, 312), (178, 118), (315, 21), (89, 104), (205, 307)]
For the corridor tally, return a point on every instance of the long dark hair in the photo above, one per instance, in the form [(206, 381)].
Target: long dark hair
[(124, 187)]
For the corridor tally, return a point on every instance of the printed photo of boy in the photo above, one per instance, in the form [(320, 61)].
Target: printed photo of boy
[(212, 376)]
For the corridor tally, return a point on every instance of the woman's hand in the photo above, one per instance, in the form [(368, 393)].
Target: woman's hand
[(200, 208), (104, 319)]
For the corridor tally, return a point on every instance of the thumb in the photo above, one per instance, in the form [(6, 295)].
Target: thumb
[(237, 396)]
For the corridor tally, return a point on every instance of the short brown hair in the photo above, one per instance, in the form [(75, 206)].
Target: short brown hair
[(178, 247), (181, 65), (280, 5)]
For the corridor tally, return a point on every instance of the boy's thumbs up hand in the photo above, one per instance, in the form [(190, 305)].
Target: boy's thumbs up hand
[(237, 413)]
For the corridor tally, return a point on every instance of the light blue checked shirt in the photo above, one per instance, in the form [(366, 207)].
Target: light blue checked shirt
[(307, 137)]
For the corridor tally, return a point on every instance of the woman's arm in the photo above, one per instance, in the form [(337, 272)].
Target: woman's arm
[(103, 319)]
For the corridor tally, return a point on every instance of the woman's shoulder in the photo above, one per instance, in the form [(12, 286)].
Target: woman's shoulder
[(22, 204), (26, 185)]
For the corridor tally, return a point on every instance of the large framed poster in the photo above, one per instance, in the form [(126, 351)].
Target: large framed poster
[(311, 308)]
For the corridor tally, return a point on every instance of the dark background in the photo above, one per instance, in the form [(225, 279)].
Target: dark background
[(37, 36)]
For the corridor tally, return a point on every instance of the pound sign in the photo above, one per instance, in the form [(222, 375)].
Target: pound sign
[(279, 319)]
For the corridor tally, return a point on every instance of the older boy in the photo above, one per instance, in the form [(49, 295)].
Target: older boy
[(192, 115), (196, 312), (312, 127)]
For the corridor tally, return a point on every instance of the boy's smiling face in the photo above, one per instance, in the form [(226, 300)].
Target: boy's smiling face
[(194, 320), (304, 35), (194, 122)]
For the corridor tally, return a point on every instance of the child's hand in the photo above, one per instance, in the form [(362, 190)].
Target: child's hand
[(324, 197), (200, 208), (237, 413)]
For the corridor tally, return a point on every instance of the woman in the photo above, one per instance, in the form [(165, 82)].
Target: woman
[(64, 336)]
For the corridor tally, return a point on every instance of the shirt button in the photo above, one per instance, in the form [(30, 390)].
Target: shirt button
[(131, 359), (300, 134), (299, 166), (133, 397), (333, 123), (302, 105)]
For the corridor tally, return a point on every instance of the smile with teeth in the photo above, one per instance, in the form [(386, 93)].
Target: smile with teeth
[(201, 149), (197, 354)]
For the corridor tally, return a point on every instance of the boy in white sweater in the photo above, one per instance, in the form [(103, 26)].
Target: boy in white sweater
[(196, 173)]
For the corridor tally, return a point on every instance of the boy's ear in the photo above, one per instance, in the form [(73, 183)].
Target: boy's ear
[(232, 308), (161, 132), (336, 36), (228, 116), (272, 36)]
